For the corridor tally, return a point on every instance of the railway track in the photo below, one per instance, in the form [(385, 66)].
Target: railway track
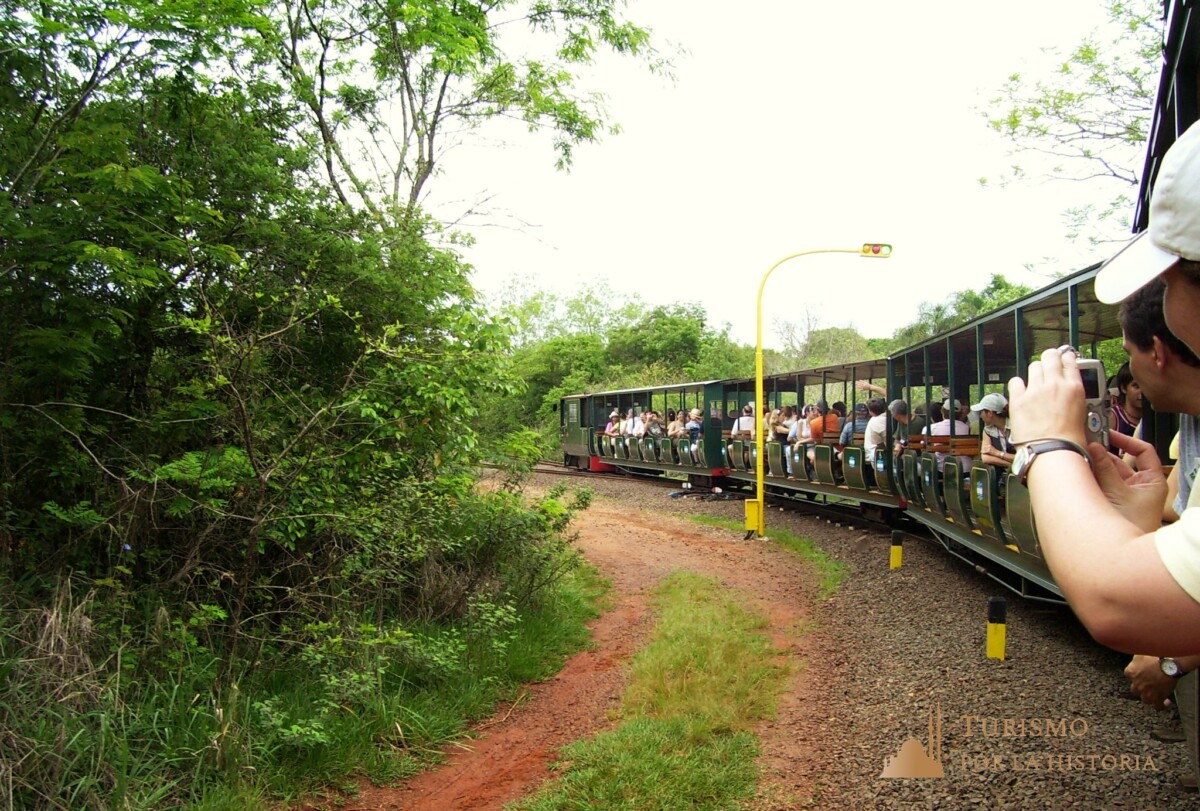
[(849, 512)]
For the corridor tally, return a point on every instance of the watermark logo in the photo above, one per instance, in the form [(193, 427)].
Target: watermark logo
[(1011, 745), (914, 760)]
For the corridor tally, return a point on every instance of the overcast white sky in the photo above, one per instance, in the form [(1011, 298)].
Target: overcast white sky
[(791, 126)]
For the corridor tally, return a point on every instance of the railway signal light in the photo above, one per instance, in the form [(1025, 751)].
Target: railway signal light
[(881, 250)]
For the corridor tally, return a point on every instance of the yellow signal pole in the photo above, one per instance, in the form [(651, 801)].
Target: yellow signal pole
[(756, 509)]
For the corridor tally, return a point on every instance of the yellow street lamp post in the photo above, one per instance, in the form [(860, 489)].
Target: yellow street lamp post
[(756, 509)]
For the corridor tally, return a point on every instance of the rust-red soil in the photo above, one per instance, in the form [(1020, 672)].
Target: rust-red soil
[(513, 751)]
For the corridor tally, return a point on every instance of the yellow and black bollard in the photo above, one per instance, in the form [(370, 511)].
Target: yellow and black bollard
[(897, 559), (996, 629)]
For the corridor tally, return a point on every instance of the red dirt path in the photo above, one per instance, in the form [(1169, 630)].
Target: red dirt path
[(635, 550)]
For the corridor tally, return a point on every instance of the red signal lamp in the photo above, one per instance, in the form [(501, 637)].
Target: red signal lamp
[(881, 250)]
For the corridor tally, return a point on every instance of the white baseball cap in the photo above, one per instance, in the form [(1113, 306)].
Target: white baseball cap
[(992, 402), (1174, 231)]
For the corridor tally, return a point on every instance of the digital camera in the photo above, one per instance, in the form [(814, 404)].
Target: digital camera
[(1095, 393)]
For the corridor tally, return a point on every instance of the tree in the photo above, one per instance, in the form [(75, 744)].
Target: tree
[(1091, 118), (937, 317), (671, 335), (389, 87), (239, 388), (807, 344)]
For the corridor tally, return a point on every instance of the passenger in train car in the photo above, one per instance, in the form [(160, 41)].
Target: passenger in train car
[(772, 418), (839, 408), (655, 427), (614, 424), (996, 447), (875, 434), (676, 428), (942, 428), (824, 421), (743, 426), (906, 425), (1127, 408), (1134, 583), (851, 427), (787, 419), (970, 417), (694, 426)]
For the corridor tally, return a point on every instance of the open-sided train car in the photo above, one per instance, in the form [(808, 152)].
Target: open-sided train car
[(583, 418), (979, 508)]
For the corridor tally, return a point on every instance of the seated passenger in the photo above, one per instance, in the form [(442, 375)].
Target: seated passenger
[(856, 426), (900, 416), (824, 426), (614, 424), (1127, 408), (677, 429), (743, 426), (839, 408), (875, 434), (942, 428), (694, 426), (997, 447), (783, 425), (823, 422), (655, 428), (772, 424)]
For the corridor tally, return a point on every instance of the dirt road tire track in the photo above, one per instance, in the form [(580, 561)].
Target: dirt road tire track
[(636, 550)]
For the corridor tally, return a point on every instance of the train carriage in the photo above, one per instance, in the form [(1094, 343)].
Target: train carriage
[(974, 510), (583, 418)]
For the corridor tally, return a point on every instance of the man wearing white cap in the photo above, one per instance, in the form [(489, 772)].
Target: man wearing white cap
[(996, 448), (1133, 583)]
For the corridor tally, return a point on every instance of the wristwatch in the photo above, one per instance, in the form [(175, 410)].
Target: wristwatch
[(1171, 668), (1023, 459)]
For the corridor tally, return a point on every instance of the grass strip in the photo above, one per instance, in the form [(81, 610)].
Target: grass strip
[(706, 677), (830, 572)]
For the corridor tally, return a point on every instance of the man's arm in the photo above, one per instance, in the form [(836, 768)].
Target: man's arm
[(1146, 678), (1099, 543)]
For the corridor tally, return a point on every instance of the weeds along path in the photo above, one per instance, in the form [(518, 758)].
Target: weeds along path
[(636, 550)]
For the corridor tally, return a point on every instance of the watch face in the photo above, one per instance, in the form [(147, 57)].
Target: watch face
[(1170, 667)]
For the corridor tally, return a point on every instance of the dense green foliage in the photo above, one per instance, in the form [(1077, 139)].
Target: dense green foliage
[(598, 339), (240, 538)]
